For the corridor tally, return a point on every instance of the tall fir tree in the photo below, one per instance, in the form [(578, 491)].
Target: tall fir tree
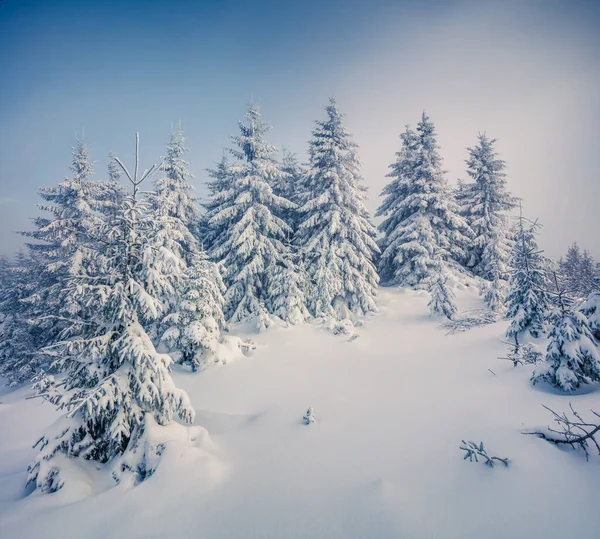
[(289, 186), (572, 357), (484, 203), (192, 316), (335, 237), (421, 219), (591, 308), (20, 359), (587, 274), (62, 247), (174, 188), (527, 300), (249, 236), (115, 388), (570, 269), (220, 181), (493, 290)]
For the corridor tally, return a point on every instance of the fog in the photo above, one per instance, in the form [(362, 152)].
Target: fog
[(527, 73)]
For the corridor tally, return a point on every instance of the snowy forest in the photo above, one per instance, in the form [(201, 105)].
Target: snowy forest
[(126, 275), (310, 270)]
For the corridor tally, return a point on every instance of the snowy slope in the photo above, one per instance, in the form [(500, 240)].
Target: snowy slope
[(382, 460)]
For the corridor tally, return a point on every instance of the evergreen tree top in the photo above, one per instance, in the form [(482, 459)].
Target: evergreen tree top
[(174, 163), (330, 134), (251, 138), (114, 171), (483, 163), (82, 166)]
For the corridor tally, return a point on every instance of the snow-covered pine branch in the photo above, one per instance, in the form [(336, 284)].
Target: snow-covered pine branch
[(572, 431)]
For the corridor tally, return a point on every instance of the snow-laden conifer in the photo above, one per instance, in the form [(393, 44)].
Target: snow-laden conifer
[(220, 180), (177, 194), (484, 203), (420, 215), (442, 298), (20, 359), (63, 247), (493, 289), (572, 357), (192, 330), (287, 290), (249, 234), (289, 186), (527, 302), (192, 317), (335, 237), (591, 309), (578, 271), (115, 386), (588, 274)]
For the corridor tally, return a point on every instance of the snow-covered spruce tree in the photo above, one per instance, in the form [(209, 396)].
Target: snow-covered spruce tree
[(192, 316), (19, 339), (113, 189), (572, 357), (493, 290), (587, 274), (192, 330), (591, 309), (441, 296), (288, 286), (220, 181), (527, 302), (335, 237), (484, 202), (116, 387), (174, 188), (421, 217), (289, 186), (249, 234), (570, 269), (62, 246)]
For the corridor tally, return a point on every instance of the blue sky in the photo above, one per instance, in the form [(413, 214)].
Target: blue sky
[(526, 72)]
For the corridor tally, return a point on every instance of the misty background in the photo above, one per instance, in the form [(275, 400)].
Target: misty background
[(526, 72)]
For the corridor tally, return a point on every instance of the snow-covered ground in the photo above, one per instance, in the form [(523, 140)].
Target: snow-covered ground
[(381, 461)]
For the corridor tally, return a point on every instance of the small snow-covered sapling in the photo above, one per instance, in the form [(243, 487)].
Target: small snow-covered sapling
[(473, 452), (309, 417)]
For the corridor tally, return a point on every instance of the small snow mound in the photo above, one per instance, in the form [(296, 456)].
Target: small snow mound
[(339, 327), (166, 451)]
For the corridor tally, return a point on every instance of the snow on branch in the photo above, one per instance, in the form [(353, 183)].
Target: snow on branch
[(470, 319), (523, 354), (474, 452), (573, 431)]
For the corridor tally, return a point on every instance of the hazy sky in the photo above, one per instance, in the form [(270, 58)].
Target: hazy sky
[(526, 72)]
